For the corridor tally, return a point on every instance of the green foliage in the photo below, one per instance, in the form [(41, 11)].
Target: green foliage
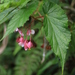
[(54, 1), (7, 4), (55, 26), (4, 14), (18, 20), (59, 73), (48, 20), (17, 49), (48, 64), (23, 3), (71, 51), (2, 70), (28, 62), (3, 1), (12, 3), (73, 72), (7, 16)]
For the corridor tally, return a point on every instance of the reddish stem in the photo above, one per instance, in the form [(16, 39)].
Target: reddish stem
[(40, 17)]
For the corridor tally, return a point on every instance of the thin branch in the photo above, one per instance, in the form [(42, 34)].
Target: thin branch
[(44, 49), (39, 13), (4, 42), (69, 8), (72, 3), (35, 18)]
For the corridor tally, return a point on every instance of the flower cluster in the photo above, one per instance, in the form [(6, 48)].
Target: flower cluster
[(24, 42)]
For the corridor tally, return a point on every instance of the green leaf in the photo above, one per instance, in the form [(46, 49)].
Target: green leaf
[(17, 49), (55, 27), (48, 54), (2, 70), (54, 1), (3, 1), (23, 3), (8, 4), (9, 16), (28, 62), (5, 13), (50, 63), (20, 18)]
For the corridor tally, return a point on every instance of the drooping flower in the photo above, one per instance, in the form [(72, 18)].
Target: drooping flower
[(25, 44), (20, 41), (29, 44)]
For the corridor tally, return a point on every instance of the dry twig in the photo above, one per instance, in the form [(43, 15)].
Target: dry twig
[(4, 42)]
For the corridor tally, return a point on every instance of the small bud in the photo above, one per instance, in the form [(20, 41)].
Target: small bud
[(16, 29), (29, 32), (32, 32)]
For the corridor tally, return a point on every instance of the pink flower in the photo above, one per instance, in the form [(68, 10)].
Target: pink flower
[(29, 44), (20, 41), (29, 32), (25, 44)]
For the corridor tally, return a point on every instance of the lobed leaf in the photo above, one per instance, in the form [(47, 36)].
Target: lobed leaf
[(55, 27)]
